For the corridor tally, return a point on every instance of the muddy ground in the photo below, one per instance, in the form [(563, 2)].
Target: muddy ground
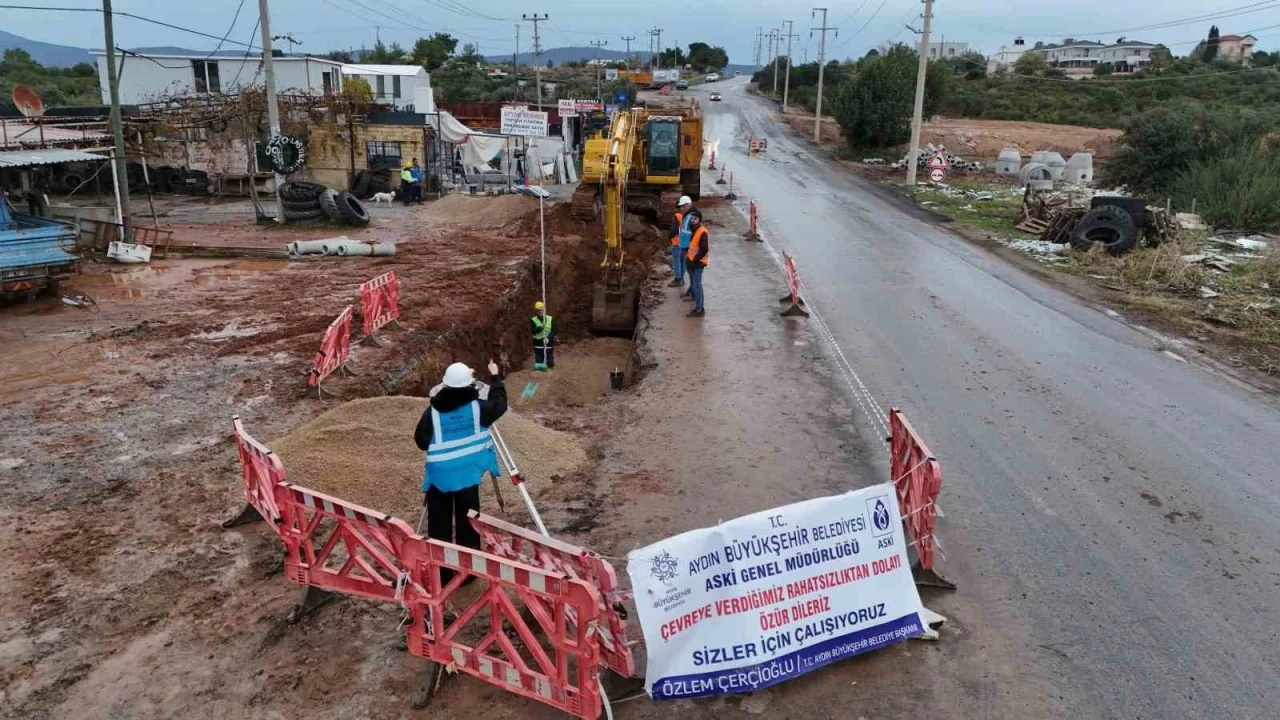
[(121, 596)]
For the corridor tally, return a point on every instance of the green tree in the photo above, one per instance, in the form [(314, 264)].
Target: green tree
[(341, 56), (1030, 63), (433, 52), (672, 57), (1103, 69), (970, 64), (1211, 45), (382, 54), (469, 57), (1161, 57), (704, 57), (874, 106)]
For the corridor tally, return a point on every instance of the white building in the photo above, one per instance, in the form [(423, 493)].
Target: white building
[(1078, 58), (151, 78), (947, 50), (403, 86), (1236, 48), (1008, 55)]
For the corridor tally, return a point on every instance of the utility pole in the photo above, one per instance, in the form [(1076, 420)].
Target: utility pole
[(786, 85), (917, 115), (657, 34), (822, 49), (117, 129), (759, 42), (273, 105), (597, 44), (537, 50), (515, 65), (627, 39), (773, 57)]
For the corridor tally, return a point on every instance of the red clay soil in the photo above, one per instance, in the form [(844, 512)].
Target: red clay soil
[(120, 596)]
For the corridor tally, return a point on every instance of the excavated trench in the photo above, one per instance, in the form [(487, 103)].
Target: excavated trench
[(501, 330)]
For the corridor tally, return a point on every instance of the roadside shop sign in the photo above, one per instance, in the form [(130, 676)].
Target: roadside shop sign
[(767, 597), (522, 121), (573, 108)]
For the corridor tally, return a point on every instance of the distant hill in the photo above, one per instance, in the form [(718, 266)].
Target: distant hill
[(46, 54)]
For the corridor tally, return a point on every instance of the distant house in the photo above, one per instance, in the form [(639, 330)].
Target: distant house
[(148, 78), (1008, 55), (947, 50), (1236, 48), (1078, 58), (402, 86)]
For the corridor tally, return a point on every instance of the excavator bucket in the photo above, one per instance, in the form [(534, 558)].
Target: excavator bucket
[(614, 309)]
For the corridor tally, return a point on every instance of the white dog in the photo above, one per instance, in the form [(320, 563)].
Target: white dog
[(386, 197)]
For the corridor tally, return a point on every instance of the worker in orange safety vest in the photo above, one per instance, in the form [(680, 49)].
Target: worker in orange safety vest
[(697, 261)]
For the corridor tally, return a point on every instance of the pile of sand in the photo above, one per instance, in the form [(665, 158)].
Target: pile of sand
[(363, 452), (482, 211), (581, 375)]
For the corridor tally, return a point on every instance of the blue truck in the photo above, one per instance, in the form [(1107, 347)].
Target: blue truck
[(35, 253)]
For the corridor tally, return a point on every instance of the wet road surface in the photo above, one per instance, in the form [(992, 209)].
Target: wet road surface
[(1111, 509)]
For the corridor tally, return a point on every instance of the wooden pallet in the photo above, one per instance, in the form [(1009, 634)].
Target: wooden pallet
[(1032, 226)]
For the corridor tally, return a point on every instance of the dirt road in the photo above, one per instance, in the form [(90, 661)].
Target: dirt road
[(1110, 505)]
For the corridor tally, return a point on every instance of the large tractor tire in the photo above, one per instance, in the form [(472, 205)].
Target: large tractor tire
[(351, 210), (329, 204), (1109, 226)]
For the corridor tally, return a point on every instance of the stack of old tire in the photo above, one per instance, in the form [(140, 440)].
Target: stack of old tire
[(1113, 222), (305, 201), (376, 179)]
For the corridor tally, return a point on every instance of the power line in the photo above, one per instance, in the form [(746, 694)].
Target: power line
[(235, 19), (864, 25), (1220, 14), (855, 12), (118, 13)]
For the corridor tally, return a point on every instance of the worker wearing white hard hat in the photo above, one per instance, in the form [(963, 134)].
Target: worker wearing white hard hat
[(681, 235), (454, 434), (544, 338)]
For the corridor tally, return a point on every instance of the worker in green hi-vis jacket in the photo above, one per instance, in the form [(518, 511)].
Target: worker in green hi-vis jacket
[(544, 338)]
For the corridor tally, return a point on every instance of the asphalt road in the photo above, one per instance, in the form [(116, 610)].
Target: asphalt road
[(1111, 510)]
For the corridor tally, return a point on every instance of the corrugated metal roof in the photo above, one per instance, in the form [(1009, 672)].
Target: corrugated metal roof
[(17, 133), (51, 156)]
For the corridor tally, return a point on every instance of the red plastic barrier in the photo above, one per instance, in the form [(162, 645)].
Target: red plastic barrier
[(513, 542), (793, 299), (335, 545), (335, 347), (712, 164), (918, 479), (379, 302), (262, 472), (557, 660)]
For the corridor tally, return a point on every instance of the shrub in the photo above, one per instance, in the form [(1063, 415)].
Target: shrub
[(1237, 189), (1160, 145)]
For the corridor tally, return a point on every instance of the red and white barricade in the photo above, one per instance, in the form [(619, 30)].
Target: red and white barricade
[(335, 348), (917, 477), (261, 471), (792, 298), (712, 164), (551, 616), (513, 542), (753, 220), (720, 180), (334, 545), (379, 303)]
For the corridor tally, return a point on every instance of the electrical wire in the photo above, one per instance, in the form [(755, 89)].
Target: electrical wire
[(844, 42), (132, 16), (1220, 14), (235, 19), (256, 24), (856, 10)]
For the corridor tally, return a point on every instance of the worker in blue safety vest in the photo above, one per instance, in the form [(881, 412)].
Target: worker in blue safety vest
[(681, 235), (544, 338), (454, 433)]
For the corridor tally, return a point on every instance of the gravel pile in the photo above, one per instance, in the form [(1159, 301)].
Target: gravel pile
[(363, 452)]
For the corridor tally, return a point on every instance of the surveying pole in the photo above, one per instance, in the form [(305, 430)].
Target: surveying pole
[(917, 116)]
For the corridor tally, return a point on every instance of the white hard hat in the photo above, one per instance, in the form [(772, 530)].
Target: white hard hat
[(457, 375), (684, 200)]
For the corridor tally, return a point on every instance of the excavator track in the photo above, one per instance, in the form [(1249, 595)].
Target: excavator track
[(585, 205)]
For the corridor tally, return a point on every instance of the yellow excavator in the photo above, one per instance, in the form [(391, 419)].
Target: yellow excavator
[(646, 161)]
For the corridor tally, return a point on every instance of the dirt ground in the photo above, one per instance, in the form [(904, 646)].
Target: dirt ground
[(118, 465), (984, 139)]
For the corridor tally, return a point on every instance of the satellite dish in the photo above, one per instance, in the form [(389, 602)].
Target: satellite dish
[(28, 101)]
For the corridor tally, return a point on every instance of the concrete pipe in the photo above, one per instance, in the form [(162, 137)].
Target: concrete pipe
[(363, 249), (1036, 171), (313, 247), (1057, 166)]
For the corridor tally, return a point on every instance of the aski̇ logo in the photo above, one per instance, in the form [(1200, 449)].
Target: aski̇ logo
[(881, 518)]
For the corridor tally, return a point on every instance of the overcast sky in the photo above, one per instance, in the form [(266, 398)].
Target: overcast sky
[(323, 25)]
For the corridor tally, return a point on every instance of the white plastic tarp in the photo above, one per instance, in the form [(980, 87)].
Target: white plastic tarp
[(477, 148)]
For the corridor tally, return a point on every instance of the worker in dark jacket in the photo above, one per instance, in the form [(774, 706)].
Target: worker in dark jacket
[(696, 257), (680, 234), (544, 338), (454, 433)]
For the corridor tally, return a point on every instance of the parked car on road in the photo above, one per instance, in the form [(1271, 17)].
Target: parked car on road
[(682, 84), (715, 97), (712, 77)]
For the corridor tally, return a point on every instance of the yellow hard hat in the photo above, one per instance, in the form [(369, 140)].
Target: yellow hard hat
[(538, 305)]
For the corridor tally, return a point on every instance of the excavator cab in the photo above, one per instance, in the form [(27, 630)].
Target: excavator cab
[(662, 142)]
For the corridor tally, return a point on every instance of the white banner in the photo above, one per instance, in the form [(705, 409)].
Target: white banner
[(611, 74), (761, 599), (522, 121), (571, 107), (661, 76)]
